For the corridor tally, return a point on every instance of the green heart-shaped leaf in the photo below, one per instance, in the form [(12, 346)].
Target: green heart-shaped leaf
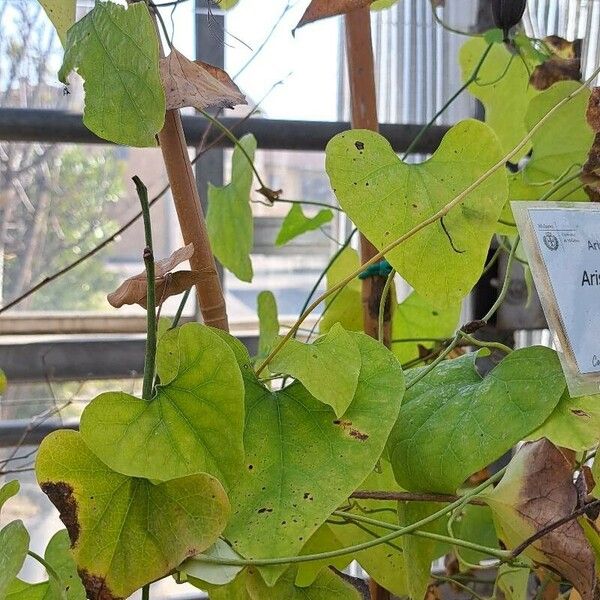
[(194, 423), (386, 198), (8, 491), (115, 50), (453, 423), (302, 461), (126, 532), (268, 321), (296, 223), (14, 544), (229, 217), (334, 356)]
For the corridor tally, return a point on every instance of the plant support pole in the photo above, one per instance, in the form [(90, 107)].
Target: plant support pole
[(363, 98), (190, 215)]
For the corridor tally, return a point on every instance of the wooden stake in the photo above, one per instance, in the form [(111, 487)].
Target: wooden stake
[(363, 97), (361, 74), (191, 220)]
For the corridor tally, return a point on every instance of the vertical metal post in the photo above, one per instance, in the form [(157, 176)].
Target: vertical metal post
[(210, 48)]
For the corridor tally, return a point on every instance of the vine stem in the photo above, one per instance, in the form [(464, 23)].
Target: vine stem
[(382, 302), (150, 357), (146, 592), (433, 219), (499, 554), (49, 568), (472, 78), (264, 562)]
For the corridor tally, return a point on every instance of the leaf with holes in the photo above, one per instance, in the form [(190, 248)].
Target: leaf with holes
[(14, 544), (126, 532), (449, 424), (502, 87), (334, 356), (574, 423), (296, 223), (229, 218), (115, 50), (345, 305), (193, 424), (536, 491), (416, 319), (302, 461), (386, 198)]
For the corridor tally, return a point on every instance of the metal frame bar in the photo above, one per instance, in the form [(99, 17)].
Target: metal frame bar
[(56, 126)]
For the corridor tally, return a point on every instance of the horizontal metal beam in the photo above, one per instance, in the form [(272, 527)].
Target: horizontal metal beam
[(53, 126), (75, 358), (29, 433)]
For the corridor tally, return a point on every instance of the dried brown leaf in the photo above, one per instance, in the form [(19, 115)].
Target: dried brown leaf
[(537, 491), (563, 65), (321, 9), (197, 84), (590, 174), (134, 290)]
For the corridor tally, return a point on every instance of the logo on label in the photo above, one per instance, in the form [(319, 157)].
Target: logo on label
[(550, 241)]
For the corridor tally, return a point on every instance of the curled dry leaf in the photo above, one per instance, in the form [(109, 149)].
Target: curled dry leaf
[(590, 174), (134, 289), (321, 9), (197, 84), (563, 65), (537, 491)]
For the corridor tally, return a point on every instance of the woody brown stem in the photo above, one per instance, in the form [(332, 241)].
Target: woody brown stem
[(361, 74)]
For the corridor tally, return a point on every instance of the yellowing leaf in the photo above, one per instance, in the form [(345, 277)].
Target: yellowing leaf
[(62, 15), (193, 424), (115, 50), (415, 318), (345, 306), (386, 198), (574, 423), (302, 461), (229, 218), (502, 87), (333, 357), (197, 84), (126, 532), (296, 223), (536, 491), (268, 321)]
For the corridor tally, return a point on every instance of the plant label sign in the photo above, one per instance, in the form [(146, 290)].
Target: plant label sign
[(562, 244)]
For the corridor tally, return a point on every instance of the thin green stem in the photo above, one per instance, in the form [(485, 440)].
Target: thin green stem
[(418, 339), (499, 554), (382, 302), (49, 568), (146, 592), (560, 183), (430, 220), (180, 309), (447, 27), (263, 562), (466, 84), (460, 585), (234, 140), (310, 203), (506, 284), (483, 344), (492, 260), (150, 358)]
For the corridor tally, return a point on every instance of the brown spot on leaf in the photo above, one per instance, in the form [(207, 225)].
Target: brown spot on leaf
[(263, 510), (359, 145), (352, 431), (61, 495), (359, 435), (580, 413), (96, 587)]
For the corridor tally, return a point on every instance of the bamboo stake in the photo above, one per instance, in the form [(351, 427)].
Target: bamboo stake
[(361, 74), (363, 98)]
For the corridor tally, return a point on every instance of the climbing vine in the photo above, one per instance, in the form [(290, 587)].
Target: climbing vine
[(262, 477)]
